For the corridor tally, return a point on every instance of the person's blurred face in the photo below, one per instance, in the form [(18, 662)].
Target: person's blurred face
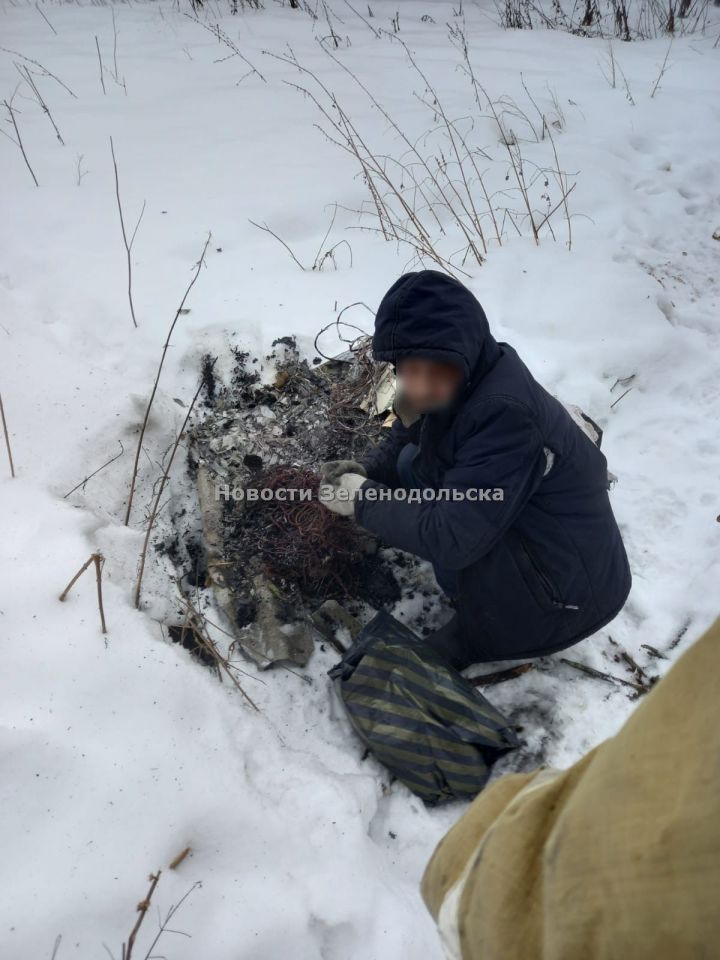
[(428, 385)]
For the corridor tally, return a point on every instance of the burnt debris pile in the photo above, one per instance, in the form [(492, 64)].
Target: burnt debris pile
[(272, 553)]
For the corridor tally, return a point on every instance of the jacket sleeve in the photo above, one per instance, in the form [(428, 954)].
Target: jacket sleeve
[(381, 460), (502, 451)]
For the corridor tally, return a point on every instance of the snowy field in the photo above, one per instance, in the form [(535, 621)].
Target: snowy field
[(118, 752)]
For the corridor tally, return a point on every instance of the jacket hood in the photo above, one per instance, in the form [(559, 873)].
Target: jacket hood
[(431, 315)]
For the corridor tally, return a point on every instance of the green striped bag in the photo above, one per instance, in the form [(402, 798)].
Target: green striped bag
[(417, 715)]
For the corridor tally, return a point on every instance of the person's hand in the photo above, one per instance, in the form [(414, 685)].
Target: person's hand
[(334, 469), (339, 496)]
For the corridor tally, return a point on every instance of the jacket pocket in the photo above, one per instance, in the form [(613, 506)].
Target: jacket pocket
[(543, 585)]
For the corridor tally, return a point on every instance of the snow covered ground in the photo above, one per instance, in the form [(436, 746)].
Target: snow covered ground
[(118, 752)]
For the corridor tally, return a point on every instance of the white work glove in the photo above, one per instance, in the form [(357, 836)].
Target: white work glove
[(339, 496)]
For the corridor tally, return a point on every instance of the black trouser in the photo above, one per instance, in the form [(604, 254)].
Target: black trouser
[(448, 642)]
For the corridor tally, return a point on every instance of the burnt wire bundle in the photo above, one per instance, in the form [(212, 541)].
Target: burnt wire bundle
[(300, 540)]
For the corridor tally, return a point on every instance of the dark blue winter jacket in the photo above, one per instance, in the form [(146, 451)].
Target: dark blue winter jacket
[(544, 566)]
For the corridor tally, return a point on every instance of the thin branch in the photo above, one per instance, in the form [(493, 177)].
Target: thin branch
[(663, 70), (266, 228), (139, 221), (653, 651), (164, 928), (318, 258), (80, 172), (601, 675), (158, 497), (20, 143), (500, 676), (128, 245), (99, 560), (179, 311), (245, 643), (204, 639), (95, 472), (115, 36), (102, 79), (7, 438), (620, 397), (37, 7), (176, 861), (366, 22), (26, 75), (77, 576), (563, 186), (561, 202), (220, 35), (44, 69), (142, 908)]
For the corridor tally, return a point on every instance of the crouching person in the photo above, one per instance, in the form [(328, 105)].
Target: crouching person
[(616, 857), (506, 496)]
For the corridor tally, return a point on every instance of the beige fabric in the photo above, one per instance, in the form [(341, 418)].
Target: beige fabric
[(617, 858)]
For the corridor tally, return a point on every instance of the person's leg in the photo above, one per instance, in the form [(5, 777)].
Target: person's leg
[(446, 580), (448, 643)]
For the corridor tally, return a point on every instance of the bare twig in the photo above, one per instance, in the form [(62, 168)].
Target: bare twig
[(77, 576), (102, 78), (164, 924), (176, 861), (623, 381), (601, 675), (628, 93), (219, 34), (565, 192), (37, 7), (653, 651), (612, 79), (386, 189), (80, 172), (620, 397), (245, 643), (640, 673), (44, 69), (680, 634), (161, 486), (663, 70), (26, 75), (516, 163), (99, 561), (115, 76), (320, 257), (202, 635), (19, 142), (364, 20), (500, 676), (266, 228), (128, 244), (142, 908), (95, 472), (143, 428), (7, 438)]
